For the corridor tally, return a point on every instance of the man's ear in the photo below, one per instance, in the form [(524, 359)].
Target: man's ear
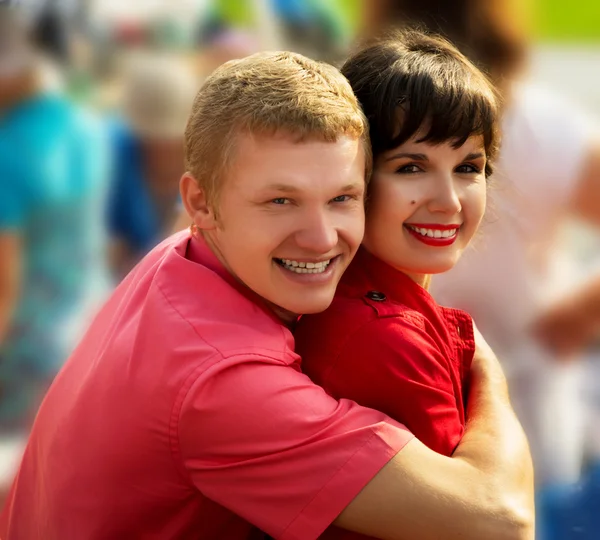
[(195, 203)]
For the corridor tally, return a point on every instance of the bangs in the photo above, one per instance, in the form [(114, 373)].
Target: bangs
[(416, 104), (431, 92)]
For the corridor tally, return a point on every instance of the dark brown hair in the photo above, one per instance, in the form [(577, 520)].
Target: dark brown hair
[(411, 82)]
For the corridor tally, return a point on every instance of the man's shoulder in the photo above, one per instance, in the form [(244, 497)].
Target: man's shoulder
[(188, 294)]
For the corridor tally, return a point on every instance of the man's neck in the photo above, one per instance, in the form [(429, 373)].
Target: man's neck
[(286, 317)]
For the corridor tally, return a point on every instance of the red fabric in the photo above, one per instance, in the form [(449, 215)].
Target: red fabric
[(386, 344), (184, 414)]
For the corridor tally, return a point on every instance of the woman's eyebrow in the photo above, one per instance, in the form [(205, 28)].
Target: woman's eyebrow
[(475, 155), (415, 157)]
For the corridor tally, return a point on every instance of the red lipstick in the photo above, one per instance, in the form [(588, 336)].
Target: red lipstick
[(432, 241)]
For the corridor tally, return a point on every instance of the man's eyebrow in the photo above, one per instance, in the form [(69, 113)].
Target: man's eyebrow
[(284, 188), (415, 157), (353, 186), (289, 188)]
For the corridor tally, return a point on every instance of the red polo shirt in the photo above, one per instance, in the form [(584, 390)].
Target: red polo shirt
[(183, 414), (385, 343)]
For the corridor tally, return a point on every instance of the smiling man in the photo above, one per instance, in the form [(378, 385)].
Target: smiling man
[(184, 412)]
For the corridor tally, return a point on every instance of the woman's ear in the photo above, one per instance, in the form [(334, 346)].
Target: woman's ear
[(195, 203)]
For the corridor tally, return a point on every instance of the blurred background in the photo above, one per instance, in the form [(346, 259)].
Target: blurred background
[(94, 97)]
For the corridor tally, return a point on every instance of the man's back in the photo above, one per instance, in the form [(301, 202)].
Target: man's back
[(185, 398), (116, 402)]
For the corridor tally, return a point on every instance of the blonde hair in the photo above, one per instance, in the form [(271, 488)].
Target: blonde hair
[(268, 93)]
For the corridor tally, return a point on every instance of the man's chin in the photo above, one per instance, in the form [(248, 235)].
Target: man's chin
[(306, 302)]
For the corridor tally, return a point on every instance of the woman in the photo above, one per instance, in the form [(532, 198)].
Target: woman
[(540, 323), (384, 342)]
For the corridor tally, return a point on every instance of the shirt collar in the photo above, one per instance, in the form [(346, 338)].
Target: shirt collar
[(369, 273), (197, 250)]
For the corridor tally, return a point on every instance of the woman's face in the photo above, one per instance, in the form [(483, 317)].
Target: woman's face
[(425, 204)]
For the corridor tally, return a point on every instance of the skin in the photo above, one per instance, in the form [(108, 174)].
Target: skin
[(305, 201), (422, 183)]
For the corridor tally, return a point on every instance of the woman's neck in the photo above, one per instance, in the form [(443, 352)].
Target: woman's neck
[(424, 280)]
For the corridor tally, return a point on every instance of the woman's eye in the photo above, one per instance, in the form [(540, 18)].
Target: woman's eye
[(468, 169), (341, 198), (409, 169), (280, 200)]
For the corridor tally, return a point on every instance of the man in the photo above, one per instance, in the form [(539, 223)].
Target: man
[(184, 412)]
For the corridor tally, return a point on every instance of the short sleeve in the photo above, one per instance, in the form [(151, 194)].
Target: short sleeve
[(258, 437), (393, 365)]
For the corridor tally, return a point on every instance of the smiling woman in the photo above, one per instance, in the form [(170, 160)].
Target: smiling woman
[(448, 187), (384, 342)]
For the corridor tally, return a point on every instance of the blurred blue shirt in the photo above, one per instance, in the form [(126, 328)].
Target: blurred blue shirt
[(132, 216), (53, 174)]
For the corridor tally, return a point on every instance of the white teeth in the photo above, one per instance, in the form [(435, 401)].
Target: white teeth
[(305, 267), (431, 233)]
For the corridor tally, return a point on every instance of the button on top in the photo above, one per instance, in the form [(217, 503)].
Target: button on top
[(376, 296)]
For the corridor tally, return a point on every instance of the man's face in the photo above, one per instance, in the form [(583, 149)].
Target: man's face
[(291, 217)]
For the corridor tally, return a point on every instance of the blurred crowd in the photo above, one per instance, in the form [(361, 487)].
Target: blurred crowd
[(94, 97)]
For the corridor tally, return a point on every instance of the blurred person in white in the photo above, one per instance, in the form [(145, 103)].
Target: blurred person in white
[(548, 169), (147, 146), (52, 163)]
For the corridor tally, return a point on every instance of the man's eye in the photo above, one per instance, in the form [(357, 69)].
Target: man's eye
[(341, 198), (280, 200)]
